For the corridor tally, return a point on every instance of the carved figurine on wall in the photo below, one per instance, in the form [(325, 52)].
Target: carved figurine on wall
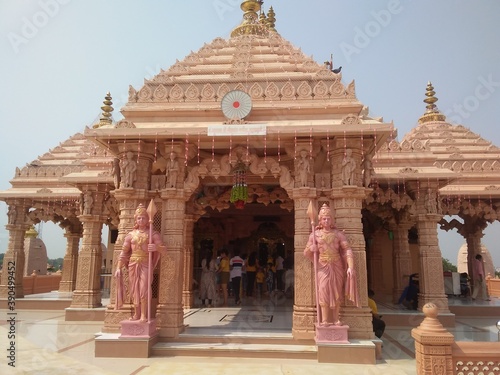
[(335, 276), (368, 170), (115, 172), (135, 256), (430, 202), (303, 168), (172, 170), (88, 203), (12, 214), (348, 168), (128, 171)]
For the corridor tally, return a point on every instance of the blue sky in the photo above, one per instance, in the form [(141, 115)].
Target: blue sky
[(60, 57)]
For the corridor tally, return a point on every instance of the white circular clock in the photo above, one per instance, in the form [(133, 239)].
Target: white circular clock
[(236, 104)]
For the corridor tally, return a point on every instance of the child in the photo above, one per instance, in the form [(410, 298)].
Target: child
[(259, 278)]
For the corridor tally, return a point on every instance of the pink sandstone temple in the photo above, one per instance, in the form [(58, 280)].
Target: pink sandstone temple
[(243, 112)]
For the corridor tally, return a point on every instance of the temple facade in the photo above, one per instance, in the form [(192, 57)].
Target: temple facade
[(232, 143)]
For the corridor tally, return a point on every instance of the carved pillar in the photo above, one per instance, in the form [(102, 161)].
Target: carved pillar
[(473, 240), (187, 294), (431, 280), (401, 260), (13, 261), (347, 204), (375, 265), (70, 262), (304, 309), (87, 292), (170, 314)]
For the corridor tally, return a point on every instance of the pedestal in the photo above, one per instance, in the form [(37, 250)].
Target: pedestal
[(137, 329), (332, 334)]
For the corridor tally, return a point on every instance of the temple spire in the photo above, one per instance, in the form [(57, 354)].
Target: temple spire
[(271, 19), (106, 112), (251, 24), (432, 112)]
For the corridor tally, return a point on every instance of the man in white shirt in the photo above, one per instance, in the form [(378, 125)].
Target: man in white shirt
[(236, 264)]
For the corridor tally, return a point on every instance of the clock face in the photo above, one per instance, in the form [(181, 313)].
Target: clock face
[(236, 105)]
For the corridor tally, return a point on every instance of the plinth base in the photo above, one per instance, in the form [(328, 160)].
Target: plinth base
[(112, 345), (131, 329), (332, 334)]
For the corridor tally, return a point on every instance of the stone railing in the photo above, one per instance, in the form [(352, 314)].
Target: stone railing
[(493, 287), (436, 351), (35, 284)]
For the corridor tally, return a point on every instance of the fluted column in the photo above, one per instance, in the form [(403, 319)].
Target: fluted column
[(87, 293), (13, 261), (375, 264), (187, 294), (431, 280), (347, 204), (70, 262), (401, 260), (304, 308), (473, 240), (170, 313)]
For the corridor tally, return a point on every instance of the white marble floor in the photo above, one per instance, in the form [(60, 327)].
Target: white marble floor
[(46, 344)]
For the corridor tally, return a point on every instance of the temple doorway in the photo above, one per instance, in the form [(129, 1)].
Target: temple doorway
[(266, 229)]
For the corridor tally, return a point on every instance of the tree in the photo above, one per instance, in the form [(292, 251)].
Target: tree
[(448, 266)]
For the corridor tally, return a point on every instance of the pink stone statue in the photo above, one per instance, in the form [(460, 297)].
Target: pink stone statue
[(335, 275), (135, 255)]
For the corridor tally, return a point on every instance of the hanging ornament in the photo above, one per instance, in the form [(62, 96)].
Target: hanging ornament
[(156, 147), (186, 150), (239, 191), (279, 147), (198, 154), (327, 145)]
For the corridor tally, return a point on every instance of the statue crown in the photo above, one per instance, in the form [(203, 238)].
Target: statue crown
[(141, 210), (324, 211)]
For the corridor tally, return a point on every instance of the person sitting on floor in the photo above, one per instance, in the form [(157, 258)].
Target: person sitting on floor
[(464, 285), (377, 322)]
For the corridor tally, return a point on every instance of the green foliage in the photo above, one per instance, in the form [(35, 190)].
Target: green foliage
[(448, 267), (239, 193), (55, 264)]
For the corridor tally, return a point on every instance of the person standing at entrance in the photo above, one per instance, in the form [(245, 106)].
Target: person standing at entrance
[(208, 287), (251, 266), (224, 274), (236, 264), (479, 279)]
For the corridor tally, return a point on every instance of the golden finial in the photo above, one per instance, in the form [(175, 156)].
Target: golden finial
[(263, 19), (106, 112), (432, 112), (250, 24), (271, 19), (31, 233)]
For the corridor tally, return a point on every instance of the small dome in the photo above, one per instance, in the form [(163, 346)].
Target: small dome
[(462, 260)]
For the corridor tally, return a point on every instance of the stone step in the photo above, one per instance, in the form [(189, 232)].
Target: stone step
[(235, 349)]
